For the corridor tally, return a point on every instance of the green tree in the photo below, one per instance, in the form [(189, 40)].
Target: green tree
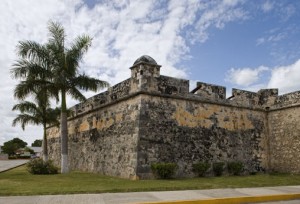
[(33, 68), (9, 148), (13, 145), (37, 143), (66, 77), (36, 115), (52, 70)]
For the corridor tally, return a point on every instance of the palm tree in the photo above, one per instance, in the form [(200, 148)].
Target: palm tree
[(36, 114), (33, 69), (66, 77)]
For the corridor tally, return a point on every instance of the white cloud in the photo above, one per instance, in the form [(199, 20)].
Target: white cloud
[(216, 14), (122, 31), (244, 76), (260, 41), (271, 38), (267, 6), (193, 84), (286, 78), (278, 37), (282, 9), (287, 11)]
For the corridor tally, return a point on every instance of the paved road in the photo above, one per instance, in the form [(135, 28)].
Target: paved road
[(9, 164), (164, 196), (282, 202)]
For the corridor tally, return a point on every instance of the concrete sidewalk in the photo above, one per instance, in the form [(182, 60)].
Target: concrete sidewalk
[(10, 164), (237, 195)]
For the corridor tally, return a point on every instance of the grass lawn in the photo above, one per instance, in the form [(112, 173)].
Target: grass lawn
[(19, 182)]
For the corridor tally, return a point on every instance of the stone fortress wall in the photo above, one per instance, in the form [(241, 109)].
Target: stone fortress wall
[(151, 118)]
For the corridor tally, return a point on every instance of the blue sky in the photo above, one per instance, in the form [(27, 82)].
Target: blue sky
[(242, 44), (264, 38)]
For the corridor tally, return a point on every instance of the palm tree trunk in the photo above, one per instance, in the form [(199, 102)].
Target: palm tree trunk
[(64, 134), (45, 145)]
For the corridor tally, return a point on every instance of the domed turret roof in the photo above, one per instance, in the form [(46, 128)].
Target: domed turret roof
[(146, 59)]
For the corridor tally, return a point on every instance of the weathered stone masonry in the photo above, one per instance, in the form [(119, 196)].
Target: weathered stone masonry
[(153, 118)]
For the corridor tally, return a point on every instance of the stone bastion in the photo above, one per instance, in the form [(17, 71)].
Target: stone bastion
[(152, 118)]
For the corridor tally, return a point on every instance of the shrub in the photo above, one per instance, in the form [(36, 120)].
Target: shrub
[(218, 168), (25, 157), (201, 168), (163, 170), (235, 168), (12, 157), (38, 166)]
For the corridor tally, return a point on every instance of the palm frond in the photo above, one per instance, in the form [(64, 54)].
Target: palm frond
[(26, 107), (25, 119), (57, 35), (24, 68), (52, 116), (76, 94), (23, 89), (36, 114), (86, 83), (54, 92), (30, 87), (31, 49), (75, 53)]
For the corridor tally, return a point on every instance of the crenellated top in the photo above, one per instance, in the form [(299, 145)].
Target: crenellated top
[(146, 79), (287, 100), (264, 98), (210, 91), (113, 94)]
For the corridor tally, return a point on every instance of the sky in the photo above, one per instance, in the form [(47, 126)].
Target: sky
[(249, 45)]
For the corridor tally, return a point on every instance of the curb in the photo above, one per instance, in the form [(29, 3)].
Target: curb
[(234, 200), (12, 167)]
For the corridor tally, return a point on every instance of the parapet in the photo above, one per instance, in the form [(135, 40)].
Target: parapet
[(172, 86), (245, 98), (264, 98), (210, 91), (267, 97), (146, 78), (113, 94), (287, 100)]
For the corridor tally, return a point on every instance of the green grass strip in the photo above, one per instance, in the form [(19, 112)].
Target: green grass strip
[(19, 182)]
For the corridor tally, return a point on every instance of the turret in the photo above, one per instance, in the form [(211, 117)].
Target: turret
[(145, 66), (143, 71)]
